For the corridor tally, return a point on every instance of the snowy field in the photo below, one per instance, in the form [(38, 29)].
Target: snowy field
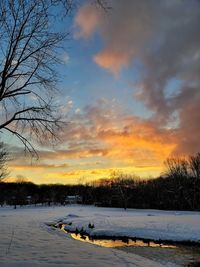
[(25, 240)]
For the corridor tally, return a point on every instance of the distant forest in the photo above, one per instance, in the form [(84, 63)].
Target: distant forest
[(177, 189)]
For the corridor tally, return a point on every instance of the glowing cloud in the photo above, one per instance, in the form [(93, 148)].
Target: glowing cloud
[(86, 21), (112, 60), (163, 36)]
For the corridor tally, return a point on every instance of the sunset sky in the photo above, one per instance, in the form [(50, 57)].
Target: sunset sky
[(130, 92)]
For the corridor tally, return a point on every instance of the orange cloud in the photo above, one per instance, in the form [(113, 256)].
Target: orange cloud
[(77, 153), (141, 32), (139, 142), (86, 21), (112, 60), (43, 166), (123, 31), (103, 135), (77, 176)]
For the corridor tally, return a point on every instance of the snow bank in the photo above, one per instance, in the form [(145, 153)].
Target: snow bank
[(148, 224)]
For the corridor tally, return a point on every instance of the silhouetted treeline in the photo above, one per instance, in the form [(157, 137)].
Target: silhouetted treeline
[(178, 193), (23, 193), (171, 193), (177, 189)]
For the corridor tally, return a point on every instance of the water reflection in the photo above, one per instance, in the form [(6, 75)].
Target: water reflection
[(166, 254), (113, 243)]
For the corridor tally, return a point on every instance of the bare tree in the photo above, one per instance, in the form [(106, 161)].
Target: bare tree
[(3, 160), (103, 4), (194, 162), (29, 47), (28, 56), (176, 167), (123, 182)]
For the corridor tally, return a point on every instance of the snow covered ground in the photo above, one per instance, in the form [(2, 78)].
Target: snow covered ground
[(149, 224), (25, 240)]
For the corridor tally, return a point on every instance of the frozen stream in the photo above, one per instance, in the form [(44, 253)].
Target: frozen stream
[(179, 256), (165, 253)]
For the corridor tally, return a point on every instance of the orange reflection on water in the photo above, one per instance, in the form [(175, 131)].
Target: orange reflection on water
[(118, 243)]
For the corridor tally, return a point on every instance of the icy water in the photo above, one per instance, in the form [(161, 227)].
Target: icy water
[(166, 254), (117, 243), (179, 256)]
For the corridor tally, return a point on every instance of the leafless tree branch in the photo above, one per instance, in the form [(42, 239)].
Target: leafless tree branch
[(3, 160), (29, 54)]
